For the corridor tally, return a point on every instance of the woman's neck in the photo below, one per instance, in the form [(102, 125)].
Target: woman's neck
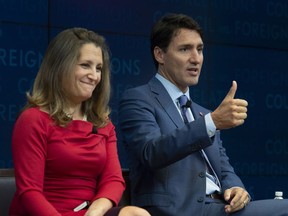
[(75, 113)]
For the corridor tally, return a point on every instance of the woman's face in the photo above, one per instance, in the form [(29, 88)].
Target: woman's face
[(87, 74)]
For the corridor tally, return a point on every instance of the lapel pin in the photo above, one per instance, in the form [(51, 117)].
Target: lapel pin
[(201, 114)]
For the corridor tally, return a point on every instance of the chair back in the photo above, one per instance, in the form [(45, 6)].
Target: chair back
[(7, 190)]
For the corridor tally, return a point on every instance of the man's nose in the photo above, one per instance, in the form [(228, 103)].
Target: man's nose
[(195, 57)]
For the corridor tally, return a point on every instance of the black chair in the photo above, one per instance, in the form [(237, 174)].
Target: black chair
[(7, 190), (126, 197)]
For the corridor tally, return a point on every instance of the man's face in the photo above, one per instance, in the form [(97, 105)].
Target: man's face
[(181, 63)]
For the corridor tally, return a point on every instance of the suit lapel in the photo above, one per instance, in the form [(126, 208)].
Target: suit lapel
[(164, 99)]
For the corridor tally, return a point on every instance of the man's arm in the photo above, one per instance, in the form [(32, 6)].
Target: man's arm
[(150, 133)]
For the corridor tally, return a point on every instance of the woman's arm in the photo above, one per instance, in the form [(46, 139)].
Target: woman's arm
[(99, 207), (110, 182), (29, 152)]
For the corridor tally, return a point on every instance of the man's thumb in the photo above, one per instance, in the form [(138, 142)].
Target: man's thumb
[(232, 91)]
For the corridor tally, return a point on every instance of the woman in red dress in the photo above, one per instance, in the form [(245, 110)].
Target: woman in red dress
[(63, 143)]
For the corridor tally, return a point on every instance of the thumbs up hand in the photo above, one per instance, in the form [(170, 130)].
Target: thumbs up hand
[(231, 112)]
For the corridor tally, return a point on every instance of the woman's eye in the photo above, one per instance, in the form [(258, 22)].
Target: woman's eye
[(84, 65), (99, 69)]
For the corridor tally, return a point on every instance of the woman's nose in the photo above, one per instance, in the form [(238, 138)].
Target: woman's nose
[(94, 75)]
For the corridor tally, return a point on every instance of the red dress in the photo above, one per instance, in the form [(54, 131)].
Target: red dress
[(58, 168)]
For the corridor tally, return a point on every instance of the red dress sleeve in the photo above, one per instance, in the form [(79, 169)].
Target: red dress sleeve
[(111, 183), (29, 141)]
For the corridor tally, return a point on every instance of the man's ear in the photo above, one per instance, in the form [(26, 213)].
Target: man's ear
[(158, 54)]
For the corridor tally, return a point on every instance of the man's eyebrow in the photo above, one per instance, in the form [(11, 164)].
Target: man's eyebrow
[(192, 45), (201, 44)]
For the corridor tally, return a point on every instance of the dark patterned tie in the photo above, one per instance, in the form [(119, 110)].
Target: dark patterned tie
[(183, 107)]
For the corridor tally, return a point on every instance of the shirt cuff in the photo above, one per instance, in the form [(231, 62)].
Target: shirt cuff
[(210, 126)]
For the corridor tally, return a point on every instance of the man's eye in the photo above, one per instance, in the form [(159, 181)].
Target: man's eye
[(200, 50)]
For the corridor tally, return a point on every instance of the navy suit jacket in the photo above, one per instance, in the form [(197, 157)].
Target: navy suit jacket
[(167, 171)]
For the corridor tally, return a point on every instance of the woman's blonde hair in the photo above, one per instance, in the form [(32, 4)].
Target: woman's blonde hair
[(59, 63)]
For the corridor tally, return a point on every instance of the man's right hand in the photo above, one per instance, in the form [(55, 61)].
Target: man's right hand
[(231, 112)]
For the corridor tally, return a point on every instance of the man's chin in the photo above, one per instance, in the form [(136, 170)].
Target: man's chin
[(194, 82)]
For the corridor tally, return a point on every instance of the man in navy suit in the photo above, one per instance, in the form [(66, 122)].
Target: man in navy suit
[(178, 166)]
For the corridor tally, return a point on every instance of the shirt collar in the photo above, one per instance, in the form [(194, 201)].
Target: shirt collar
[(172, 90)]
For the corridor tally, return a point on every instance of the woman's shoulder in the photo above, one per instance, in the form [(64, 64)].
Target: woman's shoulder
[(34, 114), (34, 111), (107, 128), (32, 120)]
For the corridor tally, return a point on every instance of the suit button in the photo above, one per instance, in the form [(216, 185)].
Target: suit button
[(200, 199), (202, 174)]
